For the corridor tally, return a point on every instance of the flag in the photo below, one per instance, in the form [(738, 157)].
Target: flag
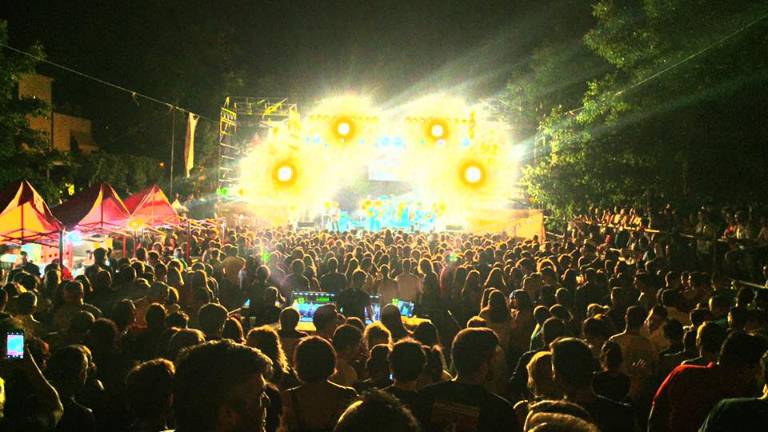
[(189, 144)]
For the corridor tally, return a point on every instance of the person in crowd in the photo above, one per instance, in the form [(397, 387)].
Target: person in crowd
[(541, 384), (149, 393), (377, 369), (689, 392), (376, 333), (211, 319), (464, 402), (207, 397), (393, 321), (573, 368), (289, 335), (317, 403), (610, 381), (266, 340), (333, 281), (408, 284), (389, 414), (553, 328), (347, 342), (407, 362), (158, 293), (326, 320), (354, 301), (640, 358), (73, 303), (709, 340), (67, 371), (740, 414)]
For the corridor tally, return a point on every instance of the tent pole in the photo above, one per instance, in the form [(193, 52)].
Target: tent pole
[(61, 249)]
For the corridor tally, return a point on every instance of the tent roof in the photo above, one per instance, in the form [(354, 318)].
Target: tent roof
[(151, 207), (25, 217), (97, 208)]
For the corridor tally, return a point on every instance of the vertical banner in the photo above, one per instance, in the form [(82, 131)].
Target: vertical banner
[(189, 143)]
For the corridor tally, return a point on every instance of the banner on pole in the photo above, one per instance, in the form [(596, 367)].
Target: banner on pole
[(189, 143)]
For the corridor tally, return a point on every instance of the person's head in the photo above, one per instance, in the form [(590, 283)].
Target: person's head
[(737, 317), (289, 318), (376, 334), (426, 333), (73, 292), (266, 340), (124, 314), (297, 267), (219, 386), (635, 317), (709, 338), (473, 353), (184, 338), (377, 364), (149, 389), (572, 364), (233, 330), (155, 317), (347, 341), (314, 359), (325, 320), (540, 381), (377, 411), (742, 354), (178, 319), (332, 264), (540, 314), (26, 303), (211, 318), (673, 331), (407, 361), (719, 305), (158, 293), (67, 369), (611, 357), (595, 331), (552, 329)]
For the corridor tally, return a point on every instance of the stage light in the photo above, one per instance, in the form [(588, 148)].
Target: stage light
[(473, 174), (437, 131), (284, 173), (343, 129)]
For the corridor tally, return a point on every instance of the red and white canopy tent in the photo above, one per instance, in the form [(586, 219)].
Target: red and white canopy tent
[(25, 217), (96, 210), (150, 207)]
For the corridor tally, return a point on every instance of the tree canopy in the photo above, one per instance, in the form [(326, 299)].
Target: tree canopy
[(678, 114)]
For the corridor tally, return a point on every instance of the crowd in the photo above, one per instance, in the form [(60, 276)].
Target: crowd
[(604, 329)]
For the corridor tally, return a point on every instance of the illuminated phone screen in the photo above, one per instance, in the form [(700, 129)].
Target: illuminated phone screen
[(14, 346)]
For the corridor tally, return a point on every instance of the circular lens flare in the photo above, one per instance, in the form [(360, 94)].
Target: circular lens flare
[(285, 173), (437, 131), (343, 128), (473, 175)]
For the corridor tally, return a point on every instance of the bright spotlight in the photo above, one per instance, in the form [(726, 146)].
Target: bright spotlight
[(343, 128), (284, 174), (472, 174), (437, 131)]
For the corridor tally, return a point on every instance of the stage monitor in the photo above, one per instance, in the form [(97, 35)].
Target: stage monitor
[(307, 302), (406, 307)]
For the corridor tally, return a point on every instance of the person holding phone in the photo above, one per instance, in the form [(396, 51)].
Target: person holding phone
[(23, 382)]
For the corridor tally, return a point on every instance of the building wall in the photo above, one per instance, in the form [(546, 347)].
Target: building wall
[(67, 127), (60, 128), (37, 87)]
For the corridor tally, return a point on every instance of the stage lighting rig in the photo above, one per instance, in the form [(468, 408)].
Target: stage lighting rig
[(284, 173), (472, 174)]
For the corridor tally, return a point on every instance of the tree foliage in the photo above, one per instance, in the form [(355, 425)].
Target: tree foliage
[(679, 114)]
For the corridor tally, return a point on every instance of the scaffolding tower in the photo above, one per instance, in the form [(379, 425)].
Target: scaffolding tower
[(245, 113)]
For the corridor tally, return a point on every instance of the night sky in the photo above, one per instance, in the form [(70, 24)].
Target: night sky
[(195, 52)]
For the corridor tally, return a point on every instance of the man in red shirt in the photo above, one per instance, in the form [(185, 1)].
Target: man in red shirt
[(684, 399)]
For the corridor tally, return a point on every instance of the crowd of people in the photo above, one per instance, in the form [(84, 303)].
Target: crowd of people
[(606, 328)]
